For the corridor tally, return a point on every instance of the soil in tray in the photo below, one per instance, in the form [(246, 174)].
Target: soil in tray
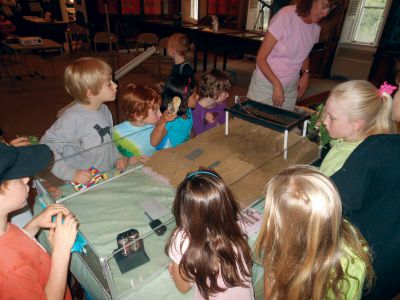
[(268, 116)]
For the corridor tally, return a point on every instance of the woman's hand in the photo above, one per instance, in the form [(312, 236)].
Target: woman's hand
[(303, 84), (278, 96), (209, 117)]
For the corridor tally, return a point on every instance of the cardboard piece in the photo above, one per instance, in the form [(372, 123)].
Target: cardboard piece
[(247, 157)]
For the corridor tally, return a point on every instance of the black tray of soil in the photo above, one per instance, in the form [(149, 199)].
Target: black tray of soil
[(266, 115)]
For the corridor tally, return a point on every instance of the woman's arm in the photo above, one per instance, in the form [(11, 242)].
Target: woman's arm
[(181, 284), (304, 78), (262, 55)]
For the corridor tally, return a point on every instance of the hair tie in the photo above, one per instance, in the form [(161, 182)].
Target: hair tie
[(201, 172), (386, 88)]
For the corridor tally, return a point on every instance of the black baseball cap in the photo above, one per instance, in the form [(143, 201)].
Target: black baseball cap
[(25, 161)]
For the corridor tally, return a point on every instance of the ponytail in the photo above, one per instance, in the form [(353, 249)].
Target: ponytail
[(384, 123)]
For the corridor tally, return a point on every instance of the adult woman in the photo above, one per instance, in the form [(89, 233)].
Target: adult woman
[(284, 52)]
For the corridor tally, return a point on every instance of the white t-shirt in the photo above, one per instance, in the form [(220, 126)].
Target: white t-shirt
[(243, 293)]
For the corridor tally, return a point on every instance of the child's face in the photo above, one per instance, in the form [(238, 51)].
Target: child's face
[(193, 99), (153, 115), (108, 92), (338, 122), (222, 97), (16, 194), (170, 51)]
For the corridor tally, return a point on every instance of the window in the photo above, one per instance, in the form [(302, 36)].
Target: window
[(370, 21), (364, 21), (194, 9)]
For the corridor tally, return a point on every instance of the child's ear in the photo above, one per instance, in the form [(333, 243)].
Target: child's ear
[(89, 94), (358, 124)]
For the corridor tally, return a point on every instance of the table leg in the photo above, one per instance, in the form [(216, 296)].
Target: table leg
[(196, 52), (225, 61), (205, 54), (285, 144), (226, 122)]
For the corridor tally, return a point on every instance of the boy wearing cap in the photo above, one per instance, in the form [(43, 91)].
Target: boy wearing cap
[(26, 269), (82, 136)]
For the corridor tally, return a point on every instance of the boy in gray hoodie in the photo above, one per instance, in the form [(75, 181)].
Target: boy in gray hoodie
[(82, 136)]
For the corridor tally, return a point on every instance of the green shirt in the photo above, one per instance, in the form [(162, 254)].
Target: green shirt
[(337, 156)]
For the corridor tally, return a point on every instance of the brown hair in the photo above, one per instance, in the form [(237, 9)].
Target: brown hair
[(303, 7), (303, 238), (179, 42), (137, 99), (213, 83), (87, 73), (397, 79), (206, 211)]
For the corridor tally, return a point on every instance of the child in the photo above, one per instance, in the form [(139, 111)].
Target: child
[(26, 270), (176, 125), (208, 248), (177, 46), (396, 101), (81, 136), (213, 91), (354, 110), (307, 249), (142, 104)]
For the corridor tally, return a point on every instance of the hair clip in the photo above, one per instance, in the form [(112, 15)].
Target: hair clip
[(201, 172), (132, 85), (386, 87)]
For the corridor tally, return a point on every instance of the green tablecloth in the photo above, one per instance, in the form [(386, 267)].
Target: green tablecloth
[(112, 208)]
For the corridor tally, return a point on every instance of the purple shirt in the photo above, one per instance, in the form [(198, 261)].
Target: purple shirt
[(295, 40), (199, 113)]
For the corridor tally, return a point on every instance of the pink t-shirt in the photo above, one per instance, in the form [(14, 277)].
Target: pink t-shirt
[(175, 253), (295, 40)]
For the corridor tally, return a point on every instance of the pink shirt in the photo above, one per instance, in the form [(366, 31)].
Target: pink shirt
[(242, 293), (295, 40)]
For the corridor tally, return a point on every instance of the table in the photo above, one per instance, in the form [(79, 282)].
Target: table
[(111, 208), (35, 26), (225, 41), (18, 53)]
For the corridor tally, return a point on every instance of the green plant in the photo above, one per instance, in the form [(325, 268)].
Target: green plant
[(317, 126), (33, 139)]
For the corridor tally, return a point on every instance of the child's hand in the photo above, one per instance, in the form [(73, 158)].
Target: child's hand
[(43, 220), (82, 176), (62, 237), (209, 117), (167, 117), (138, 159), (20, 141), (121, 163), (54, 191)]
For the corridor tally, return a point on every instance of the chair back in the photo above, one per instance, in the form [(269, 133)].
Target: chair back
[(102, 38), (147, 38)]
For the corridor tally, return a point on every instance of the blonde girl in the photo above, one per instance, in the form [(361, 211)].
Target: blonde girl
[(354, 110), (307, 249), (208, 248)]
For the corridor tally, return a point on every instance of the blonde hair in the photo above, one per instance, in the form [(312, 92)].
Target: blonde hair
[(300, 242), (87, 73), (179, 42), (362, 101), (137, 99)]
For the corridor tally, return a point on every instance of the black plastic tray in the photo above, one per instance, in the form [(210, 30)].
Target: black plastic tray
[(266, 115)]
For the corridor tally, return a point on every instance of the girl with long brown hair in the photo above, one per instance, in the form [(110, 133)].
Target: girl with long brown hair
[(208, 248), (307, 249)]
